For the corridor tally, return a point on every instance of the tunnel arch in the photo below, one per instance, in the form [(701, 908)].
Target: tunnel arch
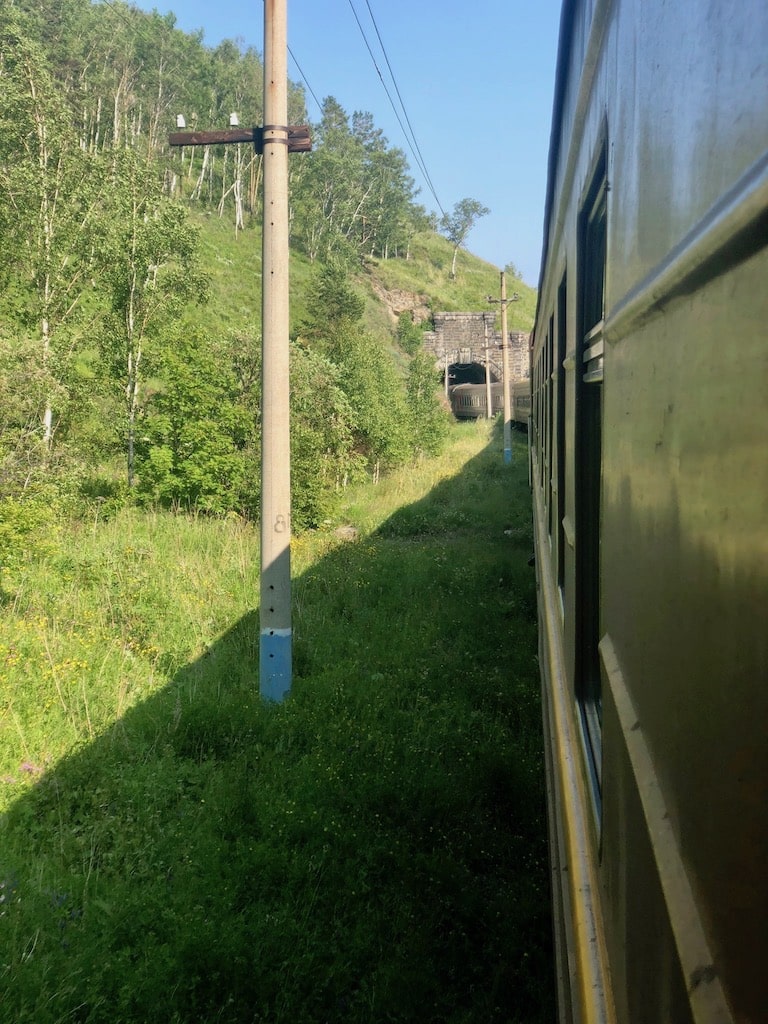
[(469, 373)]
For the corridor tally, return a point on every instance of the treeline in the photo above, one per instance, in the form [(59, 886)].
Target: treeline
[(124, 76), (102, 357)]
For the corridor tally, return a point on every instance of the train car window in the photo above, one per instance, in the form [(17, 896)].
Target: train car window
[(550, 421), (543, 413), (543, 459), (589, 457), (562, 348), (540, 432)]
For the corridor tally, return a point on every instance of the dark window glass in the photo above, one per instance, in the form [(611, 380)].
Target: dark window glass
[(589, 461), (562, 348)]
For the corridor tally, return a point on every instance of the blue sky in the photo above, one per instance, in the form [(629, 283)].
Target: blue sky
[(476, 79)]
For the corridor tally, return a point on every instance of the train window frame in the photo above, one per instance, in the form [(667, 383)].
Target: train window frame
[(562, 351), (550, 424), (592, 253)]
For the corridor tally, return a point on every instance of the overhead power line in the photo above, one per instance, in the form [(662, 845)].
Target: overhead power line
[(305, 80), (423, 163), (414, 147), (123, 11)]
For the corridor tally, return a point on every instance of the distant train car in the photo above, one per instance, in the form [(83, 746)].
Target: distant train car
[(651, 513), (469, 401), (521, 402)]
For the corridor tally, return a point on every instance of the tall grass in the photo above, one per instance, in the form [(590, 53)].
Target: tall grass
[(372, 850)]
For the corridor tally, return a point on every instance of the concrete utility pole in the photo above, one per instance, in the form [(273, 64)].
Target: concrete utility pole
[(487, 349), (275, 662), (449, 357), (275, 140), (505, 374), (505, 366)]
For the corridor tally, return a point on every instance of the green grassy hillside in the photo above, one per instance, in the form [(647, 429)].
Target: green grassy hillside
[(427, 272), (421, 282)]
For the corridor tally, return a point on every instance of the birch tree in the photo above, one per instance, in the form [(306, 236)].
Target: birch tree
[(152, 271), (49, 201), (457, 224)]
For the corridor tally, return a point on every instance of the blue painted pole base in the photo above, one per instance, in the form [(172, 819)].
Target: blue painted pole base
[(507, 456), (275, 664)]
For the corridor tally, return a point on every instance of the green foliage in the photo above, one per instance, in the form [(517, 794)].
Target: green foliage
[(457, 224), (193, 430), (323, 460), (29, 529), (151, 270), (20, 409), (334, 304), (373, 850), (101, 497), (409, 334), (375, 393), (429, 420), (352, 195), (51, 193), (366, 373), (30, 470)]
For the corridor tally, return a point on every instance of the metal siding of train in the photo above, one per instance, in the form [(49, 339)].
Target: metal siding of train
[(659, 862)]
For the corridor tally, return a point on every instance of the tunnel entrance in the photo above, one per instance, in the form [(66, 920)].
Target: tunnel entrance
[(468, 373)]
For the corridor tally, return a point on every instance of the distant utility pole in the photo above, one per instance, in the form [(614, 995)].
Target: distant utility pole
[(487, 348), (275, 141), (448, 360), (505, 366)]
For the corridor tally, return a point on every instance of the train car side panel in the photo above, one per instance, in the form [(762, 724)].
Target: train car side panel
[(693, 490), (648, 428)]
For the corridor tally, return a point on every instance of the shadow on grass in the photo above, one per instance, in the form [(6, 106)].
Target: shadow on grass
[(372, 850)]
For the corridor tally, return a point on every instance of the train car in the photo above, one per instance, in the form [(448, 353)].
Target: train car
[(650, 490), (470, 401), (521, 402)]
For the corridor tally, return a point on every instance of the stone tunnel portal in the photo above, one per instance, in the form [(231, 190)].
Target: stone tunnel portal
[(468, 373)]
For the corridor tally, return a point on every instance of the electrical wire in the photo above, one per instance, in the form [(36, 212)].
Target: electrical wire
[(304, 79), (417, 157), (409, 135), (134, 25), (423, 164)]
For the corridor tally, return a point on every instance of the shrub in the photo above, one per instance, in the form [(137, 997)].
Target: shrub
[(322, 456), (429, 420), (29, 529), (409, 334), (193, 431)]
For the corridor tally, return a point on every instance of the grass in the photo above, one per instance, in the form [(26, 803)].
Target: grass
[(373, 850), (427, 272), (233, 263)]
